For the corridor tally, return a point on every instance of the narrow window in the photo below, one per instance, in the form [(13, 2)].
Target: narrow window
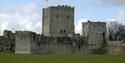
[(64, 31), (61, 30)]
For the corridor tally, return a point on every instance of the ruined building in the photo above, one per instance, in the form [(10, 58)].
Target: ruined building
[(1, 43), (30, 42), (95, 33), (58, 36), (7, 41)]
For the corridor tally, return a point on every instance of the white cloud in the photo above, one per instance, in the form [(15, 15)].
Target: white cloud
[(25, 19), (108, 2), (120, 17), (28, 8), (78, 27), (4, 26), (114, 2), (58, 2)]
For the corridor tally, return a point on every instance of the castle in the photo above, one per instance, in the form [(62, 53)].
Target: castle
[(58, 36)]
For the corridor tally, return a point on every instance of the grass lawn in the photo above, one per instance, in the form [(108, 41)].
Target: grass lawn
[(61, 58)]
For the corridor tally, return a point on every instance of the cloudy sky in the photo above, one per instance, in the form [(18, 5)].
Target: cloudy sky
[(27, 14)]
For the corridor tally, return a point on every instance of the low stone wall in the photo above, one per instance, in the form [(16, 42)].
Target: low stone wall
[(116, 47), (58, 45), (29, 42)]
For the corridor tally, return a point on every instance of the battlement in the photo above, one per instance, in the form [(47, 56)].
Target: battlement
[(65, 7), (58, 16), (25, 32)]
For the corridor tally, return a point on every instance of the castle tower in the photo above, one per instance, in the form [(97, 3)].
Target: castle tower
[(58, 21), (95, 32)]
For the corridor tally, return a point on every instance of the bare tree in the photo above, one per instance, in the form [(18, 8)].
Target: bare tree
[(114, 30)]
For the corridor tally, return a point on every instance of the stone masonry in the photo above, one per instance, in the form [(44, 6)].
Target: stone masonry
[(95, 32), (58, 21), (29, 42), (58, 36)]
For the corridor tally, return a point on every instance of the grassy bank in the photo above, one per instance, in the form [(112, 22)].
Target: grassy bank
[(61, 58)]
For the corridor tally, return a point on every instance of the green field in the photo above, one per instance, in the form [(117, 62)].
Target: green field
[(61, 58)]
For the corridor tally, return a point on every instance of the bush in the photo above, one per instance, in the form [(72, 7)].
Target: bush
[(99, 51)]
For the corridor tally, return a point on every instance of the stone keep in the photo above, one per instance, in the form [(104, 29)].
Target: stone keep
[(58, 21), (95, 32)]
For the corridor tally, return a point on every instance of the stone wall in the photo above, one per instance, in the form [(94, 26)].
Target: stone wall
[(1, 43), (96, 34), (23, 40), (116, 47), (29, 42), (9, 41), (59, 45)]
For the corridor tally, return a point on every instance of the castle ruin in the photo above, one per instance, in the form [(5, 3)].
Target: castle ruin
[(58, 36)]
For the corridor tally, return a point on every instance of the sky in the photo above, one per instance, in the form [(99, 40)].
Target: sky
[(26, 15)]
